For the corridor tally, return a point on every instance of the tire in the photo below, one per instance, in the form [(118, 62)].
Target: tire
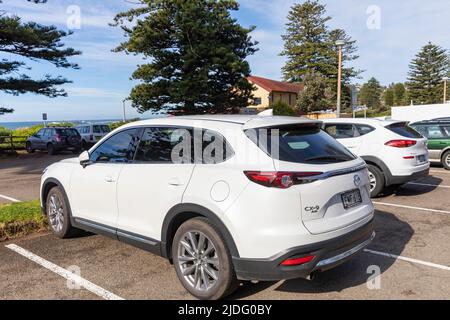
[(58, 214), (29, 148), (51, 149), (446, 160), (219, 257), (377, 181)]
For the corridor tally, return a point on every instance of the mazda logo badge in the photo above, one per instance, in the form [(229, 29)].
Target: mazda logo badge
[(357, 180)]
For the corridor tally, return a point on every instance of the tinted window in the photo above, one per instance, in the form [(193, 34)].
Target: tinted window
[(446, 130), (47, 133), (402, 128), (40, 133), (101, 129), (300, 144), (215, 148), (157, 145), (364, 129), (67, 132), (340, 131), (118, 148)]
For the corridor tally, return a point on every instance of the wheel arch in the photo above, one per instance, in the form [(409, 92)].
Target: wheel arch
[(48, 184), (380, 165), (183, 212)]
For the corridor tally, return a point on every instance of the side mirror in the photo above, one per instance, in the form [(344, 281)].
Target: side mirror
[(84, 159)]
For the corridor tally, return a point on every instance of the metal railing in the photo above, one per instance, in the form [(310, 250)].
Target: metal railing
[(11, 142)]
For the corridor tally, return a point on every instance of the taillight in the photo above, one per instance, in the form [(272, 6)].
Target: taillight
[(297, 261), (281, 180), (401, 143), (58, 138)]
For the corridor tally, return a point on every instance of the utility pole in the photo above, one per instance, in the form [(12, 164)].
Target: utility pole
[(340, 44)]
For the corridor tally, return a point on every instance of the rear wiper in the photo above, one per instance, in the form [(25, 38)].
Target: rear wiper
[(330, 158)]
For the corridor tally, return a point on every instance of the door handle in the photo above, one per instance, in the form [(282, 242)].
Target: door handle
[(175, 182), (110, 179)]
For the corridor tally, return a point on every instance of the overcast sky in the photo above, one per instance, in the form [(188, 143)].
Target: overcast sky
[(388, 33)]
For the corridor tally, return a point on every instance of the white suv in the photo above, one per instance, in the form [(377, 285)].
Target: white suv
[(224, 198), (92, 133), (394, 152)]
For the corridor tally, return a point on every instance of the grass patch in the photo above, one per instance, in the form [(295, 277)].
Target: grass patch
[(19, 219)]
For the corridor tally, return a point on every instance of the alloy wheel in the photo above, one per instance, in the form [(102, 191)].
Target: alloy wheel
[(198, 260), (373, 181), (56, 213), (447, 160)]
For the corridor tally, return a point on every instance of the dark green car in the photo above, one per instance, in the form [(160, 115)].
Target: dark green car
[(438, 134)]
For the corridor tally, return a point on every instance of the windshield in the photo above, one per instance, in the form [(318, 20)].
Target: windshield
[(300, 143)]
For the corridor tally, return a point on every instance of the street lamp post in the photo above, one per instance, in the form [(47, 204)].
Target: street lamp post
[(124, 115), (340, 44), (445, 79)]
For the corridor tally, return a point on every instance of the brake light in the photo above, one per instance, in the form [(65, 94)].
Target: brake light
[(58, 137), (401, 143), (297, 261), (281, 180), (409, 157)]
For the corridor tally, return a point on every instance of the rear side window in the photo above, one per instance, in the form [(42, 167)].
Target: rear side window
[(402, 128), (157, 145), (364, 129), (101, 129), (341, 131), (119, 148), (300, 144)]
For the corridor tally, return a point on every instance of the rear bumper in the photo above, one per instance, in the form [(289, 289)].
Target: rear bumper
[(65, 146), (405, 179), (327, 255)]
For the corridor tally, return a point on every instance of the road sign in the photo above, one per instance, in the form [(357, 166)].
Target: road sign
[(44, 116)]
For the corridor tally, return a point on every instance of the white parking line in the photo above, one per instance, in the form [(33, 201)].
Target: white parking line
[(105, 294), (428, 185), (9, 198), (410, 207), (393, 256)]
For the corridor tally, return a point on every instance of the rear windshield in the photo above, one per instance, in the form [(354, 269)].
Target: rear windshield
[(67, 132), (101, 129), (404, 130), (300, 144)]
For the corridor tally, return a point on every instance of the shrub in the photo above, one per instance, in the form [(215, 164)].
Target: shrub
[(283, 109)]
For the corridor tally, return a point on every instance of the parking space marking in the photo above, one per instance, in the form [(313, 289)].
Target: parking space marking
[(413, 208), (76, 279), (9, 198), (393, 256), (428, 185)]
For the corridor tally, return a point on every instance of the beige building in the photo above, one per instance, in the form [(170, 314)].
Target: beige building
[(269, 92)]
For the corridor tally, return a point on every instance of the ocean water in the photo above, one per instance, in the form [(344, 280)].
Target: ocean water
[(16, 125)]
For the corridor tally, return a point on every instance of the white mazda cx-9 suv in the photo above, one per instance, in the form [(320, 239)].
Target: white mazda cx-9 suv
[(224, 198)]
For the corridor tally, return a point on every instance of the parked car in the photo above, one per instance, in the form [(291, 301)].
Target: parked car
[(395, 153), (218, 214), (55, 139), (92, 133), (438, 134)]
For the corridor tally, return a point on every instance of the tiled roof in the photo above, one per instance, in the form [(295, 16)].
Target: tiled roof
[(278, 86)]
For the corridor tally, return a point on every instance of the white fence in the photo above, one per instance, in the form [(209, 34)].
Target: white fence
[(422, 112)]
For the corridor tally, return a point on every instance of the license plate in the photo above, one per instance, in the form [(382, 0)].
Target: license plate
[(421, 158), (351, 199)]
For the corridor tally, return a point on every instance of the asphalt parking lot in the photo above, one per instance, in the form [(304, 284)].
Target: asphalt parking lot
[(410, 251)]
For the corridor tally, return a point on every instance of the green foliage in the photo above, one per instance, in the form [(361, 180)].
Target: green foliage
[(370, 94), (427, 69), (389, 97), (309, 46), (316, 95), (281, 108), (196, 56), (20, 212), (400, 95), (32, 41), (118, 124)]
